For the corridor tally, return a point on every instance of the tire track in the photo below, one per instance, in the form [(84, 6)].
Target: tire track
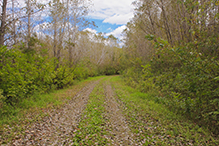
[(58, 127), (122, 135)]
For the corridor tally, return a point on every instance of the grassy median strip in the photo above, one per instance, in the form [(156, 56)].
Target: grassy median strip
[(92, 128), (34, 109), (154, 124)]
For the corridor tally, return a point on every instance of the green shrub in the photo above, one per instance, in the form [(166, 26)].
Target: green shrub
[(23, 74), (63, 76), (185, 79)]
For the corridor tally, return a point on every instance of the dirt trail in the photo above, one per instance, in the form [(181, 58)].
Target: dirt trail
[(59, 126), (120, 130), (113, 117)]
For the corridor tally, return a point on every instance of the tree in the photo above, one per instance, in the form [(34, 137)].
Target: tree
[(3, 23), (11, 14), (178, 22), (76, 10), (67, 17)]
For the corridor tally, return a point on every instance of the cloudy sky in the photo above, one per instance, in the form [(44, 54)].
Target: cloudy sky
[(111, 16)]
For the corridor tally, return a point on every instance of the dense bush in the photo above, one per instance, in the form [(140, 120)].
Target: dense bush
[(177, 42), (25, 71), (22, 74), (185, 79)]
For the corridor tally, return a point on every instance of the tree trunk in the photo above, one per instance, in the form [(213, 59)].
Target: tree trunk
[(14, 26), (28, 23), (168, 33), (69, 36), (54, 39), (3, 23)]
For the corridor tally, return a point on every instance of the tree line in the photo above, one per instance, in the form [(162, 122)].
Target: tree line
[(173, 49), (45, 46), (170, 50)]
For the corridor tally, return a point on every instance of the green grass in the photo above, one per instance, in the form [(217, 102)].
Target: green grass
[(151, 122), (92, 129), (38, 101), (154, 123), (33, 108)]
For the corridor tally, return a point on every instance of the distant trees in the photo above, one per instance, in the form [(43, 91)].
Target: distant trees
[(66, 17), (177, 22), (40, 52), (60, 29), (102, 52)]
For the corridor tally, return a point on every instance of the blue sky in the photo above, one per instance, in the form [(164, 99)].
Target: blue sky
[(103, 26), (111, 16)]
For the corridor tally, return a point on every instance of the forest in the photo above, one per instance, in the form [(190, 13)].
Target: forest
[(170, 51), (55, 53), (172, 48)]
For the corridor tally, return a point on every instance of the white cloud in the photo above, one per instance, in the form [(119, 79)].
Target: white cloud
[(117, 32), (113, 11), (90, 30), (119, 19), (92, 33), (110, 29)]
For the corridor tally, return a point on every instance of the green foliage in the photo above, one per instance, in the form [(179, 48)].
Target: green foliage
[(152, 121), (22, 75), (63, 76), (189, 79), (34, 104), (93, 125), (185, 79), (81, 73), (183, 70), (25, 71), (2, 100), (110, 70)]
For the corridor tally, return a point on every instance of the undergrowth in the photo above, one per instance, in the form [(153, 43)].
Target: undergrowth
[(39, 102), (153, 123)]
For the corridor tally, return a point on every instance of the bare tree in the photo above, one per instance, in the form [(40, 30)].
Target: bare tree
[(3, 23), (14, 25)]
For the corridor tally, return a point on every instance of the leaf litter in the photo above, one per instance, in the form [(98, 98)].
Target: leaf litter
[(58, 127), (126, 123)]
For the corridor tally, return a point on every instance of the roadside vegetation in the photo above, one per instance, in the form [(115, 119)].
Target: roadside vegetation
[(98, 121), (172, 48), (35, 108), (37, 103), (55, 56), (154, 124), (168, 89)]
